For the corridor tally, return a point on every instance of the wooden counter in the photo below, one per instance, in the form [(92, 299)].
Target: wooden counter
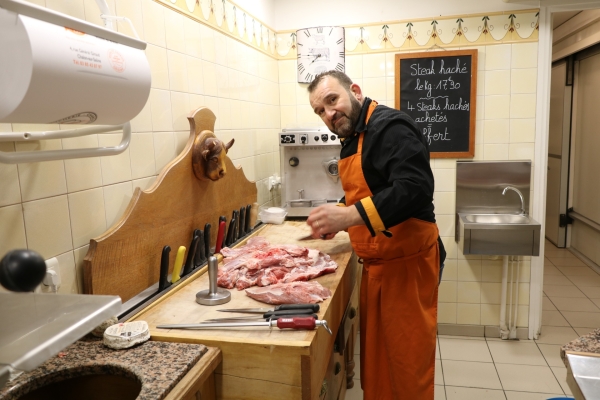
[(264, 364)]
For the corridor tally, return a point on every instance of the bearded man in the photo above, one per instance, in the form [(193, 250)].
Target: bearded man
[(389, 214)]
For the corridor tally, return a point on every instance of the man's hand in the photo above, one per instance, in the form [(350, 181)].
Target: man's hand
[(327, 220)]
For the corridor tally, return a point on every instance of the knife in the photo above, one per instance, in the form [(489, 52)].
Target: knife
[(306, 323), (312, 307), (163, 283), (310, 237), (230, 232), (178, 263), (200, 257), (242, 215), (207, 240), (258, 318), (236, 225), (189, 261), (220, 234), (247, 227)]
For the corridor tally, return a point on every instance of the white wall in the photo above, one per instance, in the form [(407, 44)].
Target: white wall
[(264, 10), (294, 14)]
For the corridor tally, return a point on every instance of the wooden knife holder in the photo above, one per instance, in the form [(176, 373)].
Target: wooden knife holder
[(125, 260)]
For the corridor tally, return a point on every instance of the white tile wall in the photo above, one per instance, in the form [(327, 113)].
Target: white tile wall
[(56, 207), (253, 96)]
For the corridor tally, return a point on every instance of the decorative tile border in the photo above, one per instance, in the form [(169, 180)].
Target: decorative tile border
[(419, 34), (230, 19)]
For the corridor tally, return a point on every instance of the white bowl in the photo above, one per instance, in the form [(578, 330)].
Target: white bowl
[(272, 218)]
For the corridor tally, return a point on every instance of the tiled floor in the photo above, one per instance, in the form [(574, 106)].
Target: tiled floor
[(490, 369)]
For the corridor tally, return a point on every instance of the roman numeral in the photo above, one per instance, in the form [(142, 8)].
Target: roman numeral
[(309, 77), (307, 33), (342, 54), (319, 30), (300, 68), (340, 67), (340, 41)]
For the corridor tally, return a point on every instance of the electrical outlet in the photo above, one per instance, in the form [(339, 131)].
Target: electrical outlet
[(52, 280)]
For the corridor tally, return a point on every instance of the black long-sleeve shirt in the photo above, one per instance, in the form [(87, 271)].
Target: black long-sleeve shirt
[(395, 163)]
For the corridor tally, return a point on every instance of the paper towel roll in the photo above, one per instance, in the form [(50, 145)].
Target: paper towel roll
[(53, 74)]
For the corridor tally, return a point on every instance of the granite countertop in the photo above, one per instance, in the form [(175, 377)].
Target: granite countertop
[(159, 366), (589, 343)]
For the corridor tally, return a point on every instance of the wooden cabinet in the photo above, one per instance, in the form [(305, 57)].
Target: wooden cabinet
[(199, 382), (340, 371)]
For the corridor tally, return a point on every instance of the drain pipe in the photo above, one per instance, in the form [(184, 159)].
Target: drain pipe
[(510, 294), (513, 329), (503, 328)]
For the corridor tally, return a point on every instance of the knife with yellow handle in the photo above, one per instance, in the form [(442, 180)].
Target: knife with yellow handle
[(178, 263)]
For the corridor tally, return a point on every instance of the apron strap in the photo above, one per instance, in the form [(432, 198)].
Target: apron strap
[(362, 134)]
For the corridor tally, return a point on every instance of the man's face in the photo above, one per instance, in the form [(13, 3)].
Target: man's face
[(337, 107)]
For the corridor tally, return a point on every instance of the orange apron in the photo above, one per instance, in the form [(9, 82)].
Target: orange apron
[(398, 298)]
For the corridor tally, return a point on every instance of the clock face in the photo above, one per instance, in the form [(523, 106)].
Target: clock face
[(319, 49)]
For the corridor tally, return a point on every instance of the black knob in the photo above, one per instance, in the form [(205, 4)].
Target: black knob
[(316, 138), (22, 270), (294, 161), (333, 137), (324, 137), (303, 139)]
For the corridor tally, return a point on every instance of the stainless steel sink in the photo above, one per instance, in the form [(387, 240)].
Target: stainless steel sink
[(38, 326), (492, 206), (303, 207), (497, 218), (498, 234), (300, 203)]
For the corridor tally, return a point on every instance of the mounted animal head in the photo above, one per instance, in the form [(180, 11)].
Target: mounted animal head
[(214, 158)]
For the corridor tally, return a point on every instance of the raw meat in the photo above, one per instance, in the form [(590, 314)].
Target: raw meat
[(260, 264), (290, 293)]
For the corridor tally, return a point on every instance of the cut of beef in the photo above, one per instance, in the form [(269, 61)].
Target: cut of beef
[(262, 264), (290, 293)]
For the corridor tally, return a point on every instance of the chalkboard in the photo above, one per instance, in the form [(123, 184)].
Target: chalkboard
[(438, 90)]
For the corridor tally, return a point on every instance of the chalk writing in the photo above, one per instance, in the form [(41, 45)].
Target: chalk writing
[(436, 92)]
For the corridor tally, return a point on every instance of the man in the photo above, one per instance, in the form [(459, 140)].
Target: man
[(388, 184)]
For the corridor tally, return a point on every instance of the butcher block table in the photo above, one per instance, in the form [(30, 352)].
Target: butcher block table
[(259, 363)]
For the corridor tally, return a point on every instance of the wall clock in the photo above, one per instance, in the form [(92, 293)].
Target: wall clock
[(320, 49)]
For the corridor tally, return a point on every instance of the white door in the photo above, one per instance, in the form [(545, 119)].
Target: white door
[(558, 154)]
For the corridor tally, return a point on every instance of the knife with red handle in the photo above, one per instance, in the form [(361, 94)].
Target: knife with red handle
[(298, 323), (220, 234), (260, 317)]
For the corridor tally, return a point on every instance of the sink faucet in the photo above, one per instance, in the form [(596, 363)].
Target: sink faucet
[(520, 195), (301, 193)]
